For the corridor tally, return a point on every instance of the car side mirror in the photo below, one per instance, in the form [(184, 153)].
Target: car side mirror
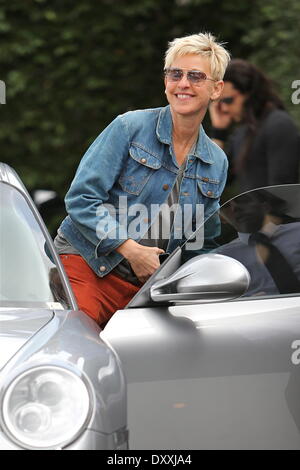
[(205, 278)]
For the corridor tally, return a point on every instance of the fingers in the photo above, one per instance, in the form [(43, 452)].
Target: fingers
[(146, 263)]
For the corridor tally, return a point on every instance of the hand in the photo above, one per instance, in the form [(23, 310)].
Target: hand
[(144, 260), (219, 118)]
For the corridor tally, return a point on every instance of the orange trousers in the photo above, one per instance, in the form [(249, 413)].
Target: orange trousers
[(98, 297)]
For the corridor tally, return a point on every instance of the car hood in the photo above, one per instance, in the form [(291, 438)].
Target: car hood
[(17, 326)]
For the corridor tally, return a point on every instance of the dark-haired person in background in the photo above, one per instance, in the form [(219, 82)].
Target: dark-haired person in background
[(264, 148), (267, 242)]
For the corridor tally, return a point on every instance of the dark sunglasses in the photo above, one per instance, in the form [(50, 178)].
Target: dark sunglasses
[(228, 100), (194, 76)]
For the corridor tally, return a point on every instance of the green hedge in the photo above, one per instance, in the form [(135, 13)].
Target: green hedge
[(70, 67)]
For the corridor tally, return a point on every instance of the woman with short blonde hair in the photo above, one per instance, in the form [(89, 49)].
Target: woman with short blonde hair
[(149, 158), (201, 44)]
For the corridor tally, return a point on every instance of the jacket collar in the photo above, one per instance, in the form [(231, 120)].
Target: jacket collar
[(164, 135)]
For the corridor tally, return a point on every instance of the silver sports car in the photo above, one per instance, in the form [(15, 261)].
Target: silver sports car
[(60, 385), (209, 348)]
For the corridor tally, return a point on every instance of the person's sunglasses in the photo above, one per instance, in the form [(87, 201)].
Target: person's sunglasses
[(194, 76), (227, 100)]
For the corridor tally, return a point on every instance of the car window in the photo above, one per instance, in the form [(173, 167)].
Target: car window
[(28, 278), (261, 229)]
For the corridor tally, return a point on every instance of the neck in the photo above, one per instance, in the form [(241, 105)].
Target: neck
[(185, 128), (185, 133)]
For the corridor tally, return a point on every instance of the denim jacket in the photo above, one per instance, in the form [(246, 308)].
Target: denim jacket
[(133, 159)]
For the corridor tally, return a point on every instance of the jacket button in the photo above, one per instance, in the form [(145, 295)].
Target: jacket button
[(209, 193), (102, 269), (165, 187), (143, 160)]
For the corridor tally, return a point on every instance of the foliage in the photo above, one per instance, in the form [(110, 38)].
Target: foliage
[(71, 67), (274, 41)]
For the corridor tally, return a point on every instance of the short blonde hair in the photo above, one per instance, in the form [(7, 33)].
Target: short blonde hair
[(203, 44)]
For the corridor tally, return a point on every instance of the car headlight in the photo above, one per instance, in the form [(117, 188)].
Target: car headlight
[(45, 407)]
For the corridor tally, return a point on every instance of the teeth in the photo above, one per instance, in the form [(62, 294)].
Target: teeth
[(182, 96)]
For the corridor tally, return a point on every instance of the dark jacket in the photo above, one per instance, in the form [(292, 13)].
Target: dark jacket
[(274, 154)]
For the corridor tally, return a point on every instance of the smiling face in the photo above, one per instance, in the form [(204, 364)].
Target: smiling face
[(187, 98)]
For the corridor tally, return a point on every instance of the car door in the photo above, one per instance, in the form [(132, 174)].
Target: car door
[(221, 374)]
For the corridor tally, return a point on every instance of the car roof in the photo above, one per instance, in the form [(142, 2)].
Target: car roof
[(8, 175)]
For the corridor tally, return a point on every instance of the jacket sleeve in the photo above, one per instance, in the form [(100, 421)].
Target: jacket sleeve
[(98, 171)]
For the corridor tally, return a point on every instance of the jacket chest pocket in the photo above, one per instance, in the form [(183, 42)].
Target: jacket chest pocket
[(140, 166), (208, 188)]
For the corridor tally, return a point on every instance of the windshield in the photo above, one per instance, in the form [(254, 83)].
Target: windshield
[(28, 278), (261, 229)]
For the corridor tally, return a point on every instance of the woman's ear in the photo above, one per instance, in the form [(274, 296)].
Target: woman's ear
[(217, 90)]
